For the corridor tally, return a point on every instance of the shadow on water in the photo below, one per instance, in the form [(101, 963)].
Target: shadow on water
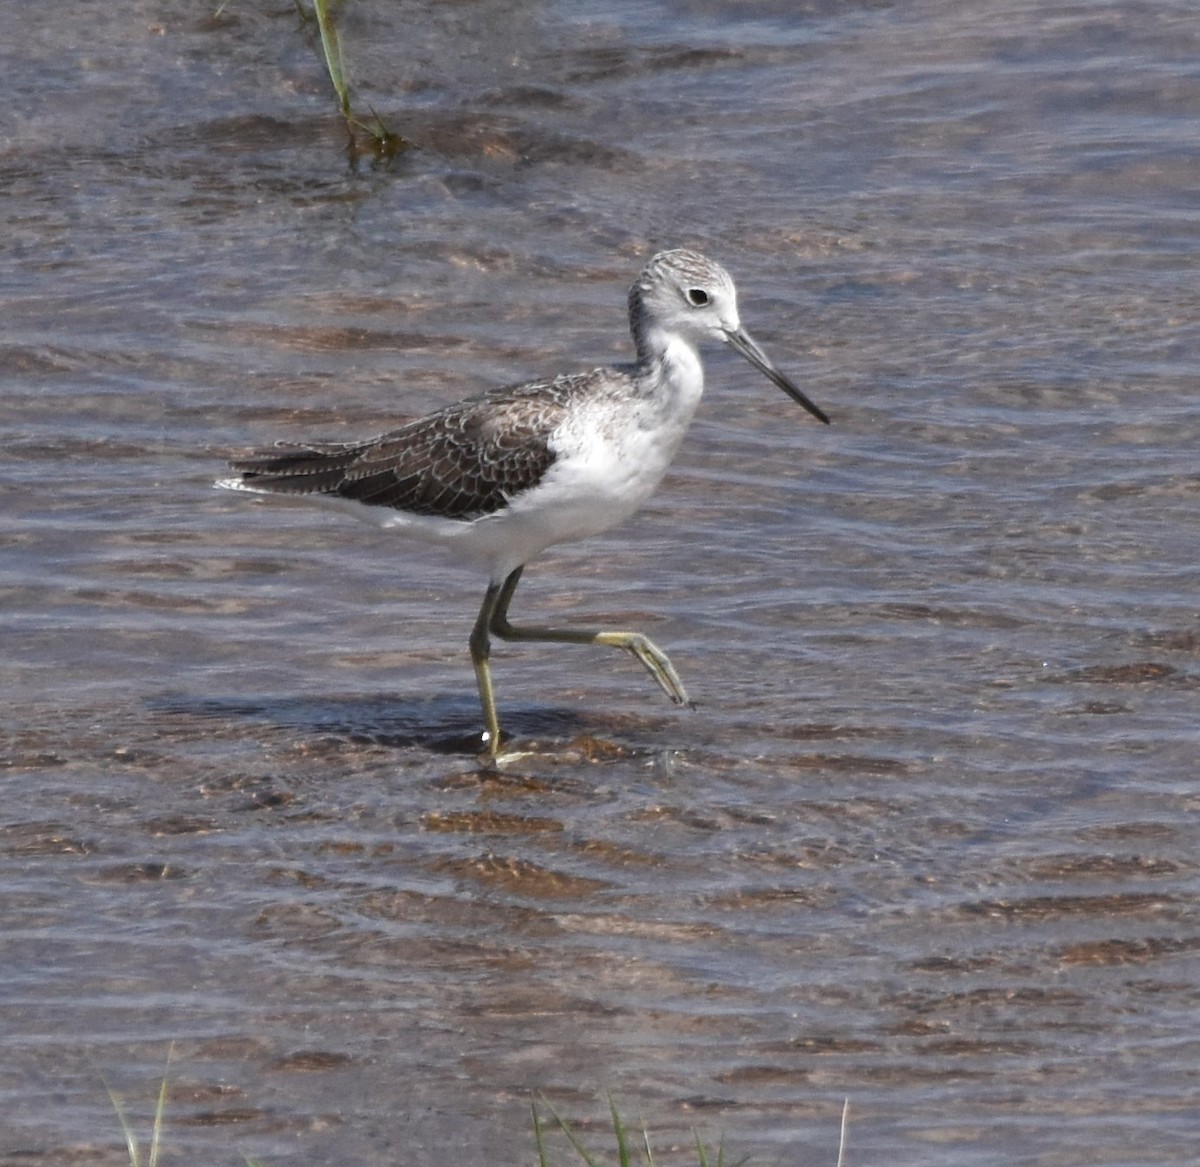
[(443, 724)]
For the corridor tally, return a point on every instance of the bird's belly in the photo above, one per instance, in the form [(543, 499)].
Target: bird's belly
[(603, 483)]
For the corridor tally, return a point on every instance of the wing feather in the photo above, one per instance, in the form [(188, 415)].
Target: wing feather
[(463, 462)]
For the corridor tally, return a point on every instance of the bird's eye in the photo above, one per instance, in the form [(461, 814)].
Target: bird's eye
[(697, 297)]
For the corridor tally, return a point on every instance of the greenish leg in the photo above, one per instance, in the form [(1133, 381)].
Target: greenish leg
[(653, 659), (480, 650)]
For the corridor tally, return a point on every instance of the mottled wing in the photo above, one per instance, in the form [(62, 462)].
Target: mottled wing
[(461, 463)]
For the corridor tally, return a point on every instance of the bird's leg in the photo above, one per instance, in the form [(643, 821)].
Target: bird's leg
[(480, 649), (642, 647)]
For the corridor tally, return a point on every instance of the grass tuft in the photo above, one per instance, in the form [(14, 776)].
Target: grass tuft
[(625, 1155), (625, 1144), (132, 1145), (131, 1139)]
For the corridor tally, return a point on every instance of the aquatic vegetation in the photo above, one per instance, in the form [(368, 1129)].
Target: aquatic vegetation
[(625, 1139), (371, 136), (132, 1145), (645, 1155), (131, 1139), (633, 1147)]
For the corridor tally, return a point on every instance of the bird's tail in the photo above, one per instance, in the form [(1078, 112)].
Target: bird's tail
[(314, 468)]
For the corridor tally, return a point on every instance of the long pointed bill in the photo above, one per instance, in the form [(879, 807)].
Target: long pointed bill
[(741, 341)]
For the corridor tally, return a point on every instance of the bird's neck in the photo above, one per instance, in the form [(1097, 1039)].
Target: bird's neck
[(670, 377), (670, 369)]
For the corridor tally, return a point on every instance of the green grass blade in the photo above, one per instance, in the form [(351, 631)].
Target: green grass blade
[(159, 1109), (538, 1136), (574, 1139), (135, 1159), (331, 46), (619, 1130)]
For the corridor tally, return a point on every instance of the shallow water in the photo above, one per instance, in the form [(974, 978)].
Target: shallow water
[(930, 841)]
